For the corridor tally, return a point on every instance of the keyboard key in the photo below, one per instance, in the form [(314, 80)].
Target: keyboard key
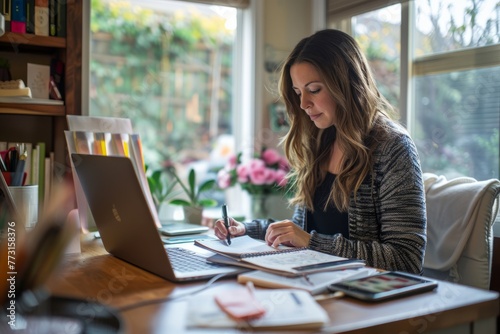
[(184, 260)]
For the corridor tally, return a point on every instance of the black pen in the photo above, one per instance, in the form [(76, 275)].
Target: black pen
[(226, 222)]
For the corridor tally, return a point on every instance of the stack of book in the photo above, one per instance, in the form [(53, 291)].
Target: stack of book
[(14, 89)]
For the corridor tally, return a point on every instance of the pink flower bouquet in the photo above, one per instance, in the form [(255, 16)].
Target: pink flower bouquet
[(261, 175)]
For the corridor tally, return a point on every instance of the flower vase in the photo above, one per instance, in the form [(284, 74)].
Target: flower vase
[(259, 207)]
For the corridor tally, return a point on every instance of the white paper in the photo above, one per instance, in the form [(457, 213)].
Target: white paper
[(99, 124), (38, 80), (239, 246)]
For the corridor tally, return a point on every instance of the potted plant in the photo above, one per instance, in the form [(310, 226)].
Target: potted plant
[(192, 202)]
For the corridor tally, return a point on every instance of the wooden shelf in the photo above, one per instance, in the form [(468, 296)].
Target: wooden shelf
[(32, 122), (16, 39), (32, 109), (39, 44)]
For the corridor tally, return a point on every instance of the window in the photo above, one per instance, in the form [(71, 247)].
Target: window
[(457, 122), (378, 33), (448, 66), (168, 66), (448, 25), (456, 95)]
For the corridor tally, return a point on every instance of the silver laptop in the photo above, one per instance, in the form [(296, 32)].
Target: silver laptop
[(126, 225)]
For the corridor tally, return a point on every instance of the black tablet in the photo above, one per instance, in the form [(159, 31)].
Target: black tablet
[(390, 284)]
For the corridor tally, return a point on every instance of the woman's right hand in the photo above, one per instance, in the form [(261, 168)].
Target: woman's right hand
[(236, 228)]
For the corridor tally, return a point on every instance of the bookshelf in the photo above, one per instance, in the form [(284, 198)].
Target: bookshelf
[(22, 122)]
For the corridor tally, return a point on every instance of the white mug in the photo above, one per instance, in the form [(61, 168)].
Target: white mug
[(26, 200)]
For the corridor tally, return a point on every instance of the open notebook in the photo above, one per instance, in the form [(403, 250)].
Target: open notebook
[(289, 261)]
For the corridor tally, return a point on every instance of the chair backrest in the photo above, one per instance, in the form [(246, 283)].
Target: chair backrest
[(460, 217)]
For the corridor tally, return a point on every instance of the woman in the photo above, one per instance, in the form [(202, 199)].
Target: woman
[(356, 173)]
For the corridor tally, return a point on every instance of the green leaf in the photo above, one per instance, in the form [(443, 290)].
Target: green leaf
[(207, 202), (192, 184), (192, 192), (207, 185), (156, 175), (180, 202), (152, 184)]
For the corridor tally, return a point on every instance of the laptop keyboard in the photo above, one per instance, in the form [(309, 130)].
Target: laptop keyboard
[(184, 260)]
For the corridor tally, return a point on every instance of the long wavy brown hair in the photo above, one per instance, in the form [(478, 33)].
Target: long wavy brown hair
[(361, 114)]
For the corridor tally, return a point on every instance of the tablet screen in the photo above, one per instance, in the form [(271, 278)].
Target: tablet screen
[(381, 283), (385, 285)]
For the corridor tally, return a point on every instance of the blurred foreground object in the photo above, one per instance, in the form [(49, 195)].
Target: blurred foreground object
[(27, 259)]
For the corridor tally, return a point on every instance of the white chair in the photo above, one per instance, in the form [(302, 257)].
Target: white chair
[(460, 217)]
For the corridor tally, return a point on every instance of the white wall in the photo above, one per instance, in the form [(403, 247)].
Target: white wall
[(278, 26), (285, 23)]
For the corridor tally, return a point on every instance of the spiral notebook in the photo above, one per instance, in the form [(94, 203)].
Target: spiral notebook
[(288, 261)]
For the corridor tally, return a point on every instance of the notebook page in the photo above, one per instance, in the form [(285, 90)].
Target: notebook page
[(289, 261), (243, 245)]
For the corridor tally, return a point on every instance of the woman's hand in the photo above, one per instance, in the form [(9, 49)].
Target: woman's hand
[(286, 233), (236, 228)]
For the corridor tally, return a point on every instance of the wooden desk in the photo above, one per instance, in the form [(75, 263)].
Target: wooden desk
[(97, 276)]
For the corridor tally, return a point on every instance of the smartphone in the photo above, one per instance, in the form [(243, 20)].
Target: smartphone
[(383, 286)]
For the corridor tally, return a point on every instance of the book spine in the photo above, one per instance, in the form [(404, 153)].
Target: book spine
[(34, 165), (18, 17), (41, 174), (99, 147), (42, 17), (6, 11), (52, 18), (82, 142), (61, 18), (30, 16), (57, 75), (29, 162), (54, 92), (117, 143), (49, 163)]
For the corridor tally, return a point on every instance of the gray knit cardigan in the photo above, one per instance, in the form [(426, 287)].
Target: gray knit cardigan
[(387, 220)]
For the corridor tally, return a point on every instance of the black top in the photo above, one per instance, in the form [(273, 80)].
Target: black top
[(331, 221)]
